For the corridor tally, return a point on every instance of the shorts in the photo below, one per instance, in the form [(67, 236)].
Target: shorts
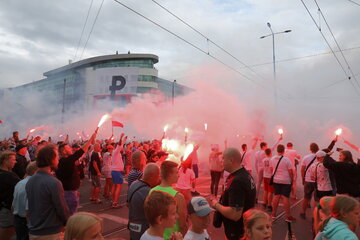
[(267, 186), (6, 218), (309, 188), (95, 180), (282, 189), (320, 194), (117, 177)]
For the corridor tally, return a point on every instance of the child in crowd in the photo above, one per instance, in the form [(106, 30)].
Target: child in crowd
[(321, 212), (186, 180), (257, 225), (83, 226), (199, 214), (268, 189), (160, 211), (344, 213)]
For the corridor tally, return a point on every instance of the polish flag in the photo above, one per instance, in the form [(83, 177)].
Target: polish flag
[(117, 124)]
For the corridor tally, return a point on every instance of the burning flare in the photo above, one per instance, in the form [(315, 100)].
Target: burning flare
[(166, 127), (205, 126), (188, 150), (280, 131), (338, 131), (32, 130), (186, 130), (103, 119)]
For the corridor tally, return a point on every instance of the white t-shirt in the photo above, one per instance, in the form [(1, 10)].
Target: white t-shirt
[(267, 168), (185, 179), (247, 159), (305, 162), (117, 163), (190, 235), (291, 154), (282, 174), (106, 162), (322, 176), (146, 236)]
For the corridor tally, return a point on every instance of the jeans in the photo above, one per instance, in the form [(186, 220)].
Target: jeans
[(72, 201), (215, 179)]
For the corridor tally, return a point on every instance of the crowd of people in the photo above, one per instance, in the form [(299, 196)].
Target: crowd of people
[(40, 181)]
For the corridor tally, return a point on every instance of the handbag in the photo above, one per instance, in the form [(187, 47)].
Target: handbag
[(271, 182)]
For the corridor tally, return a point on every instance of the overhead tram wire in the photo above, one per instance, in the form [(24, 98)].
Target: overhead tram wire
[(354, 2), (191, 44), (82, 32), (337, 59), (337, 44), (92, 28), (207, 38)]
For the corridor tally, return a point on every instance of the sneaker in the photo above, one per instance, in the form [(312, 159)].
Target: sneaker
[(303, 216), (115, 205), (290, 219)]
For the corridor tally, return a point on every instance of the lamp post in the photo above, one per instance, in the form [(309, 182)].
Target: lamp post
[(274, 69), (173, 92)]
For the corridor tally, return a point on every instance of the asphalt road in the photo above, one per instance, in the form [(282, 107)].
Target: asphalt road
[(115, 220)]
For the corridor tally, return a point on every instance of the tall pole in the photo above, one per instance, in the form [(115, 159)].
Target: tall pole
[(63, 106), (173, 92)]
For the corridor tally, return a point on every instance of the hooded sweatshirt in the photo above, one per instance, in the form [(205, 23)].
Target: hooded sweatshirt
[(336, 230)]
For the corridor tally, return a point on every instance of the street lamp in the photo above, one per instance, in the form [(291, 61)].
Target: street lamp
[(173, 92), (273, 41)]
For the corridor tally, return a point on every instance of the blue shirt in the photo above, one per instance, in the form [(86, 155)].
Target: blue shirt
[(20, 199)]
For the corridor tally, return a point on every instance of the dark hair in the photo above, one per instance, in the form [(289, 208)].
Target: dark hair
[(267, 151), (61, 147), (243, 147), (166, 168), (157, 204), (348, 156), (263, 144), (46, 155), (314, 147), (280, 148), (289, 144)]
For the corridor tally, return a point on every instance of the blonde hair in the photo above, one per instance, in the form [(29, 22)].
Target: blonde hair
[(339, 205), (79, 223), (324, 207), (251, 216)]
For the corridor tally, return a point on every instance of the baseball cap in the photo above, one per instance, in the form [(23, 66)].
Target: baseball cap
[(320, 154), (20, 146), (199, 206)]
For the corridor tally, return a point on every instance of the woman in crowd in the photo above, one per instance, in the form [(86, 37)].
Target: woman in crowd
[(216, 168), (257, 225), (186, 180), (83, 226), (321, 212), (344, 213), (347, 173)]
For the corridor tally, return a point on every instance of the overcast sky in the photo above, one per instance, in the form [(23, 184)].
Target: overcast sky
[(37, 36)]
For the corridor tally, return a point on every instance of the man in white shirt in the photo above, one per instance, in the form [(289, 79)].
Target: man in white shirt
[(283, 172), (294, 157), (247, 155), (309, 184), (259, 168)]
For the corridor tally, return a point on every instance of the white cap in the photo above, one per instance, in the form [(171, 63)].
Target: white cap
[(320, 154)]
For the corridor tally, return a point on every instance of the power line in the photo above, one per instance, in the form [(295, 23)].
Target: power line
[(337, 59), (207, 39), (82, 32), (354, 2), (186, 41), (92, 28), (337, 44)]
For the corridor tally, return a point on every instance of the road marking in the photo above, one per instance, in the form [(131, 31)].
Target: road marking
[(114, 218), (283, 213)]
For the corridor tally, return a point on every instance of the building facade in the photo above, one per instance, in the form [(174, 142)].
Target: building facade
[(90, 82)]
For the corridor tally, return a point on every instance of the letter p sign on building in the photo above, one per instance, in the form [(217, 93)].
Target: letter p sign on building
[(118, 83)]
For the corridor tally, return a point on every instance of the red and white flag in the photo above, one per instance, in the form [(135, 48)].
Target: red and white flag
[(117, 124)]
